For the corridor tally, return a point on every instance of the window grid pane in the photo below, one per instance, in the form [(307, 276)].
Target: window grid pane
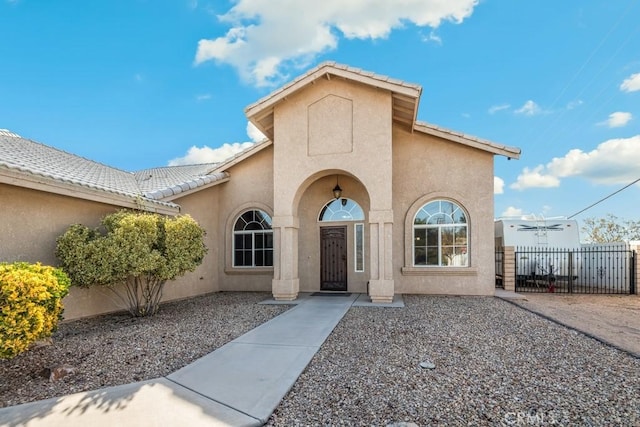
[(253, 240), (440, 235)]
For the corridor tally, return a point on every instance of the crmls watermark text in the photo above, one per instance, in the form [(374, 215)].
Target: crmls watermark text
[(532, 418)]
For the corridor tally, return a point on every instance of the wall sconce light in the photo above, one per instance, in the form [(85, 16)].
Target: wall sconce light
[(337, 191)]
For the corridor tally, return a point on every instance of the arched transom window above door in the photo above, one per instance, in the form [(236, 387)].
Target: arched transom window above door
[(341, 209)]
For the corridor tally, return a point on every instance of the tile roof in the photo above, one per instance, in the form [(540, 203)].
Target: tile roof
[(159, 183), (405, 96), (25, 156), (331, 65), (505, 150)]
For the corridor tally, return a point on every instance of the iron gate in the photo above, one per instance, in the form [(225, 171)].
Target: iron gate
[(606, 269)]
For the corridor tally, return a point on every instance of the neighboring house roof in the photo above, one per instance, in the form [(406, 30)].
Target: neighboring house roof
[(405, 99), (33, 165)]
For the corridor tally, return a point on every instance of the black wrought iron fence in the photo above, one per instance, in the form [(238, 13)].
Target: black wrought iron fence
[(598, 269), (499, 268)]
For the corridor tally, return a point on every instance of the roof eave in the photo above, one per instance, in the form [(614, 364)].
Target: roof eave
[(259, 146), (178, 195), (491, 147), (260, 113), (49, 185)]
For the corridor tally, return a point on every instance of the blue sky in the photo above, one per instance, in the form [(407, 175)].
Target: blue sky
[(136, 84)]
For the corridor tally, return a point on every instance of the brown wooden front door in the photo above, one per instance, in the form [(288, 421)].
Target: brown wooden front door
[(333, 258)]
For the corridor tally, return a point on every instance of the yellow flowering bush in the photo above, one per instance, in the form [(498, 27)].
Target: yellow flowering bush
[(31, 303)]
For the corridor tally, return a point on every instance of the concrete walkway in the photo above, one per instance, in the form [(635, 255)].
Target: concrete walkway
[(240, 384)]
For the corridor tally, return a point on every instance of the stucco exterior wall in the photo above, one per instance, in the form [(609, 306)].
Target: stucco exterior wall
[(250, 187), (202, 207), (303, 146), (31, 220), (333, 127), (427, 168)]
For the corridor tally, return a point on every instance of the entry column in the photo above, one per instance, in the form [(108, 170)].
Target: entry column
[(286, 282), (381, 286)]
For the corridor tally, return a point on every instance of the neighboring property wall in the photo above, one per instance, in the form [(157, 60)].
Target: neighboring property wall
[(250, 187), (427, 168)]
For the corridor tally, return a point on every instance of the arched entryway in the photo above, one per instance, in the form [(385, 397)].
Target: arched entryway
[(331, 236)]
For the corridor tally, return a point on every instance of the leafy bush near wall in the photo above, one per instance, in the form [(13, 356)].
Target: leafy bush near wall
[(31, 303), (133, 255)]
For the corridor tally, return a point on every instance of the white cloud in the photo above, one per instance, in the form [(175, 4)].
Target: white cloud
[(495, 108), (535, 178), (254, 133), (196, 155), (617, 119), (529, 108), (498, 185), (631, 84), (266, 35), (203, 97), (613, 162), (512, 211)]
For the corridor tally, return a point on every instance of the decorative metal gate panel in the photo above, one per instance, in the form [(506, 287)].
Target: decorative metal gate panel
[(605, 269)]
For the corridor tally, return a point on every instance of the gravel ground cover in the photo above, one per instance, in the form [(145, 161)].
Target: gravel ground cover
[(495, 364), (118, 349)]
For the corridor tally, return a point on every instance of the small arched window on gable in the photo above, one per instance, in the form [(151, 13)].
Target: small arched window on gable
[(440, 235), (253, 240), (342, 209)]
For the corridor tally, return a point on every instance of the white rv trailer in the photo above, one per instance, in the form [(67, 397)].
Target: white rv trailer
[(551, 247), (538, 233), (539, 243)]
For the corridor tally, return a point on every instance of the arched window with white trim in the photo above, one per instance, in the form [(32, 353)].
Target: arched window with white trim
[(253, 240), (342, 209), (440, 235)]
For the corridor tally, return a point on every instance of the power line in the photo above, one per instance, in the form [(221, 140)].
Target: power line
[(604, 198)]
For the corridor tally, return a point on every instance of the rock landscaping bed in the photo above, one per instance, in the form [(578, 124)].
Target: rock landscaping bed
[(438, 361), (117, 349), (495, 364)]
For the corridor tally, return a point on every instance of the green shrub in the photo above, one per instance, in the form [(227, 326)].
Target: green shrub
[(31, 300), (133, 256)]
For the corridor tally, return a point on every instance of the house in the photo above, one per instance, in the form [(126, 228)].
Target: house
[(349, 192)]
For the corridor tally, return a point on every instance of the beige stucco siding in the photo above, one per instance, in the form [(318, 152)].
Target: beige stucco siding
[(202, 207), (302, 149), (32, 220), (427, 168), (250, 187)]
